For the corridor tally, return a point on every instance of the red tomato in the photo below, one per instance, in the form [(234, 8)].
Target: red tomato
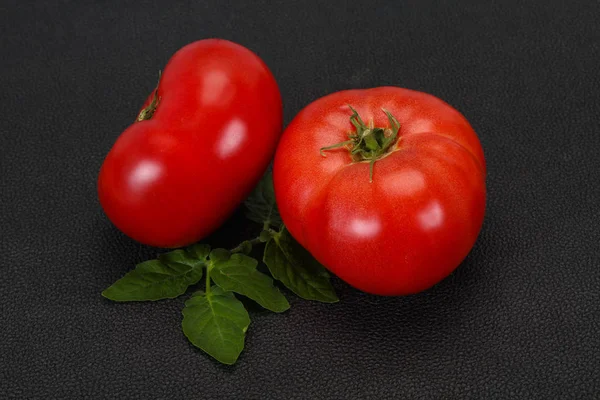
[(421, 214), (200, 144)]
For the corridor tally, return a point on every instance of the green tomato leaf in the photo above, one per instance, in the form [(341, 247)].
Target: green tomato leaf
[(165, 278), (297, 269), (238, 274), (260, 205), (216, 323)]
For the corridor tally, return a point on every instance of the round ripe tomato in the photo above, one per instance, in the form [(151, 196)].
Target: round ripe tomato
[(200, 144), (409, 225)]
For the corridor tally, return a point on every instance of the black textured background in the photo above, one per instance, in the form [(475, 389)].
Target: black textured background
[(519, 319)]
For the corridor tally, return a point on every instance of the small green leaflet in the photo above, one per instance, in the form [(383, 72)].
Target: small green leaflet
[(165, 278), (261, 206), (218, 255), (238, 274), (199, 251), (297, 269), (216, 323), (245, 247)]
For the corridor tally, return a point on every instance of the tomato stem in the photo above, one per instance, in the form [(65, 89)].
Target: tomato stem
[(368, 143)]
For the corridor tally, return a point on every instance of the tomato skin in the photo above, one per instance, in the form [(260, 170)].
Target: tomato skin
[(418, 219), (172, 179)]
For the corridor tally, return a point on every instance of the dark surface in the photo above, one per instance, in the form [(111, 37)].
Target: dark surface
[(519, 319)]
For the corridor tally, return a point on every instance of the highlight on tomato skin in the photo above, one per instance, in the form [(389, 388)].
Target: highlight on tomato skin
[(200, 143), (384, 186)]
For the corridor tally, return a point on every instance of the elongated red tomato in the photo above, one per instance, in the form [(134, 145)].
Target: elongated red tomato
[(389, 194), (200, 144)]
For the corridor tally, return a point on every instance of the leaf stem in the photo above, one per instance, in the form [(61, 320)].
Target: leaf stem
[(208, 268), (273, 232)]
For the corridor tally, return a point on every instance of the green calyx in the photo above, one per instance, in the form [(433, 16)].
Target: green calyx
[(368, 143), (148, 111)]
